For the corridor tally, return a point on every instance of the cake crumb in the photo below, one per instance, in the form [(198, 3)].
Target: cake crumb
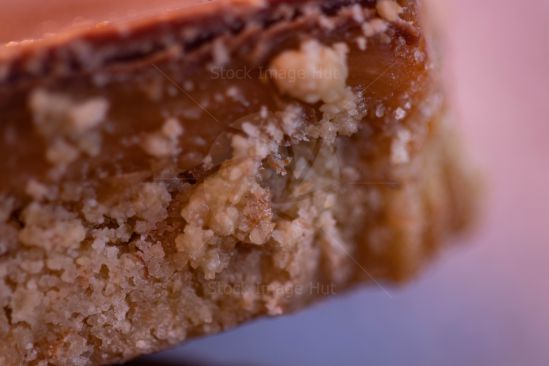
[(373, 27), (361, 43), (69, 127), (61, 153), (313, 73), (400, 113), (220, 54), (263, 112), (399, 147), (165, 142), (36, 190), (236, 94), (357, 13), (380, 110), (89, 114), (389, 10), (326, 22)]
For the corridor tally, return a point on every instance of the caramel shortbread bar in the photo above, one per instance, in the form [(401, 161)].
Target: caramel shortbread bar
[(174, 175)]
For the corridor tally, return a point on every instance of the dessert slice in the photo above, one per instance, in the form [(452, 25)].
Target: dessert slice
[(172, 176)]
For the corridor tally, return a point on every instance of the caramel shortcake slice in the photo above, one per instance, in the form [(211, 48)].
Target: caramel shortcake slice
[(175, 174)]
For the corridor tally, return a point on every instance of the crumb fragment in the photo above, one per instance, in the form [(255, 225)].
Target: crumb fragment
[(389, 10), (373, 27), (220, 54), (400, 113), (88, 114), (313, 73), (37, 190), (70, 127), (318, 73), (51, 228), (399, 147), (164, 143), (361, 43), (357, 13), (380, 110)]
